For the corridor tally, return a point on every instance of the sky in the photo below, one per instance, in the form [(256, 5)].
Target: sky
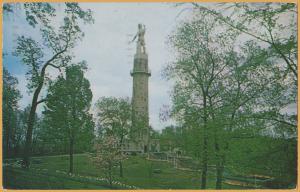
[(108, 54)]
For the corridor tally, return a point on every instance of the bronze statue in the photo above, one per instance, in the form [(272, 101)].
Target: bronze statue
[(141, 48)]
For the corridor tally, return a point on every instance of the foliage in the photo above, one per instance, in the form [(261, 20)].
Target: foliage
[(53, 50), (114, 116), (11, 96), (170, 138), (226, 88), (39, 14), (264, 22), (67, 109), (108, 155)]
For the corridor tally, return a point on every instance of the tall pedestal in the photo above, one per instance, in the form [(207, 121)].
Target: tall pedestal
[(140, 103)]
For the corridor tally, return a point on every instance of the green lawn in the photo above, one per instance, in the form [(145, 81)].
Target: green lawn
[(138, 172), (18, 178)]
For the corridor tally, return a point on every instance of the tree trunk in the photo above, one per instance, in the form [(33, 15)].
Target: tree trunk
[(71, 155), (221, 157), (218, 164), (7, 135), (28, 142), (205, 147), (110, 174), (34, 103), (31, 119), (221, 165), (121, 169), (220, 171), (204, 164)]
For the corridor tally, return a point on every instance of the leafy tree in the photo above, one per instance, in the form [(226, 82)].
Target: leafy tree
[(217, 87), (114, 115), (67, 109), (199, 72), (11, 96), (107, 156), (40, 14), (7, 8), (53, 51), (272, 27), (19, 132), (263, 155), (171, 137), (263, 22)]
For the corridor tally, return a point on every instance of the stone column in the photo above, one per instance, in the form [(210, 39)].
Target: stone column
[(140, 103)]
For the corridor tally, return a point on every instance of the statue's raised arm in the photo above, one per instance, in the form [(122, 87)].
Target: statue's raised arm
[(133, 39), (141, 39)]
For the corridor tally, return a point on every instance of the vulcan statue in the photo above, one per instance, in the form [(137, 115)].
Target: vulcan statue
[(141, 48)]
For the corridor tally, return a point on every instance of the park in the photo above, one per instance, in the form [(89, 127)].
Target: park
[(149, 96)]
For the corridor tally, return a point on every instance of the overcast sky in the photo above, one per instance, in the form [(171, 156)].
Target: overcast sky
[(105, 48)]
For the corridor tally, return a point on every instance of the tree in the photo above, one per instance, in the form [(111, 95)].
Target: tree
[(19, 132), (202, 62), (114, 116), (54, 51), (107, 156), (226, 89), (215, 85), (249, 80), (264, 23), (272, 27), (273, 42), (171, 137), (11, 96), (67, 109), (36, 14)]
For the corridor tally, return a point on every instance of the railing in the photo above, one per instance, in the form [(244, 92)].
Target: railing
[(135, 71)]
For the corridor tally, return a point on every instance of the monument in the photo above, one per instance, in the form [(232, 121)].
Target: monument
[(140, 140), (140, 102)]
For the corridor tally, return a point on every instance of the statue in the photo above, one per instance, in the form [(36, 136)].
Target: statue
[(141, 48)]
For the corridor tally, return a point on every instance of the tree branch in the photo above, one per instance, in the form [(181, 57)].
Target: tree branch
[(41, 101), (221, 17), (273, 119)]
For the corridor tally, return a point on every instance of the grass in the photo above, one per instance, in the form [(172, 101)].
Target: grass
[(18, 178), (140, 171), (137, 171)]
